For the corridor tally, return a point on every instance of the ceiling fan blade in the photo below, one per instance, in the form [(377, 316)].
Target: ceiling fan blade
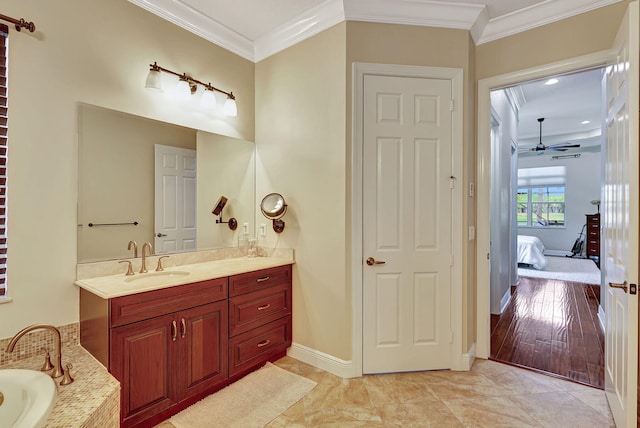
[(558, 149), (563, 145)]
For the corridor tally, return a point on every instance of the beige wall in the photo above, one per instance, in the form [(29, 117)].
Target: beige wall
[(97, 53), (580, 35), (300, 144)]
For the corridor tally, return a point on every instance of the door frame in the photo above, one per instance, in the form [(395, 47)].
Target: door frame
[(483, 170), (459, 360)]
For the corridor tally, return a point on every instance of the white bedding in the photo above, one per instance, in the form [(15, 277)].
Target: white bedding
[(531, 252)]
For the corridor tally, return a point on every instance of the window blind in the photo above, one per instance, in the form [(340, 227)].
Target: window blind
[(4, 133), (543, 176)]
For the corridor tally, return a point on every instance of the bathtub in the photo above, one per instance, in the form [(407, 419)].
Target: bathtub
[(27, 398)]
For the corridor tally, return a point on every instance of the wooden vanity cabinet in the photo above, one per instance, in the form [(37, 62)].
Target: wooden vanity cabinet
[(167, 347), (259, 318), (173, 346)]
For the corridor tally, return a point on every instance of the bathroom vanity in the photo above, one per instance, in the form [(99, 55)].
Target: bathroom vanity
[(171, 341)]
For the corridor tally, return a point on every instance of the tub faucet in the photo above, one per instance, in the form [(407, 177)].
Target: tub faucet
[(148, 246), (57, 363)]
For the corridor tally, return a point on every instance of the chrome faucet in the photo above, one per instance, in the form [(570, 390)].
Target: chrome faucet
[(57, 363), (147, 245)]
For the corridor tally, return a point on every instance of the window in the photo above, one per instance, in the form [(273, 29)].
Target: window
[(541, 197), (4, 131), (541, 206)]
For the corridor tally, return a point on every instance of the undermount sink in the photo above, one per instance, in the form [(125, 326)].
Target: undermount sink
[(27, 398), (158, 277)]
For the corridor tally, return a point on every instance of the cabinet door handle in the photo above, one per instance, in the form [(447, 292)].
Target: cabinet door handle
[(262, 308), (263, 279), (264, 343), (174, 331), (183, 328)]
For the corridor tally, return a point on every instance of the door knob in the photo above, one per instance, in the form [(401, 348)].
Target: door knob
[(160, 235), (371, 261)]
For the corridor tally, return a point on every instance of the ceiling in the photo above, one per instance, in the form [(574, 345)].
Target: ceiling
[(256, 29), (566, 106)]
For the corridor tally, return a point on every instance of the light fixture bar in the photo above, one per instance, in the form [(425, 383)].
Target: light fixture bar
[(19, 23), (184, 76)]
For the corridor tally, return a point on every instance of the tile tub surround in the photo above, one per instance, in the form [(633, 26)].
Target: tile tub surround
[(33, 342), (113, 267), (92, 400)]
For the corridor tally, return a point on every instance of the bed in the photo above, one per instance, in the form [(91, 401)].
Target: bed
[(531, 252)]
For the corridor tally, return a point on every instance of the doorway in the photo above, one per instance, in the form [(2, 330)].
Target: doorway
[(545, 180)]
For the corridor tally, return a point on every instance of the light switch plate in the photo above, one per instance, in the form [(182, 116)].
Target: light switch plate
[(263, 230), (472, 189), (472, 233)]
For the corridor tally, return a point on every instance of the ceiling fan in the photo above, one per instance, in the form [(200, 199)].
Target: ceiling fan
[(541, 148)]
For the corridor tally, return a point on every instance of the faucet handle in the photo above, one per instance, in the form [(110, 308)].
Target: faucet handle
[(129, 267), (47, 361), (66, 378), (159, 267)]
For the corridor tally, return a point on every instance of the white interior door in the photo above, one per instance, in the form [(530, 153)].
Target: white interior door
[(175, 199), (620, 226), (407, 226)]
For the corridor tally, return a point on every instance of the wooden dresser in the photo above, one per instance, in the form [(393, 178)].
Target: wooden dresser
[(593, 236)]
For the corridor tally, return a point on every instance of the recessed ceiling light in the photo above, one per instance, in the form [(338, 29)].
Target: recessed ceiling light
[(585, 122), (551, 82)]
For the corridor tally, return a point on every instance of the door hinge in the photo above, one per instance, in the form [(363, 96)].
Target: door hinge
[(451, 105), (633, 288), (452, 181)]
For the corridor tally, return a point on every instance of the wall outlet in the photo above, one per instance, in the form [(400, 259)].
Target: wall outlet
[(245, 228), (263, 230)]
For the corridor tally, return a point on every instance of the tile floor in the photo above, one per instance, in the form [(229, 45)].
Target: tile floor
[(492, 394)]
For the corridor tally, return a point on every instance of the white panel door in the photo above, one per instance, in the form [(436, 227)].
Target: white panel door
[(175, 199), (407, 164), (620, 226)]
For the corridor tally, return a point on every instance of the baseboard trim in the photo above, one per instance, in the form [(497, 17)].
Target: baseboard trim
[(505, 300), (601, 318), (326, 362), (469, 358)]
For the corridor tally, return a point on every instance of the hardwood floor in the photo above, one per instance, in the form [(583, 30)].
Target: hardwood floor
[(552, 326)]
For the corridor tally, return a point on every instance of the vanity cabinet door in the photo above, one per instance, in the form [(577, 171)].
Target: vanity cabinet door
[(203, 344), (143, 359)]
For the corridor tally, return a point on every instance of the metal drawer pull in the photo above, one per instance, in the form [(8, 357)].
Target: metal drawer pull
[(262, 308), (264, 343), (183, 327), (174, 331), (623, 286), (263, 279)]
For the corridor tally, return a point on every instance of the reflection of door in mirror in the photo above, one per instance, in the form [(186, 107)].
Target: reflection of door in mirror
[(175, 199), (116, 182)]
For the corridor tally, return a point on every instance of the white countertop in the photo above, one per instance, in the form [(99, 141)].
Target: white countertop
[(108, 287)]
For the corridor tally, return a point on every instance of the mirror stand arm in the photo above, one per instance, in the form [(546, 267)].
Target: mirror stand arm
[(233, 223)]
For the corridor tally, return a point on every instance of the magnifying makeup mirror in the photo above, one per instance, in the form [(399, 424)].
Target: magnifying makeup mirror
[(274, 208)]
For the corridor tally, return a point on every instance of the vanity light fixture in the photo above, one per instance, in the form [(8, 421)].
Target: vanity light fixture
[(188, 85)]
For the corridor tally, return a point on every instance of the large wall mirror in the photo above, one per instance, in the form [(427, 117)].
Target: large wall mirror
[(119, 180)]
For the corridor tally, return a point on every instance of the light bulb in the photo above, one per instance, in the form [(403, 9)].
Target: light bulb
[(154, 81), (230, 107)]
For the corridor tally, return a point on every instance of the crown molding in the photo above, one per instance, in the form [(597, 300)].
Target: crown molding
[(201, 25), (414, 12), (465, 16), (310, 23), (537, 16)]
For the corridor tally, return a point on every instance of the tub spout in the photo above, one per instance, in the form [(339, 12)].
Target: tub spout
[(57, 362)]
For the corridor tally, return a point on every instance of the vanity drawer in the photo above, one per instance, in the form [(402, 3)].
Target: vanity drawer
[(252, 310), (141, 306), (258, 345), (252, 281)]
